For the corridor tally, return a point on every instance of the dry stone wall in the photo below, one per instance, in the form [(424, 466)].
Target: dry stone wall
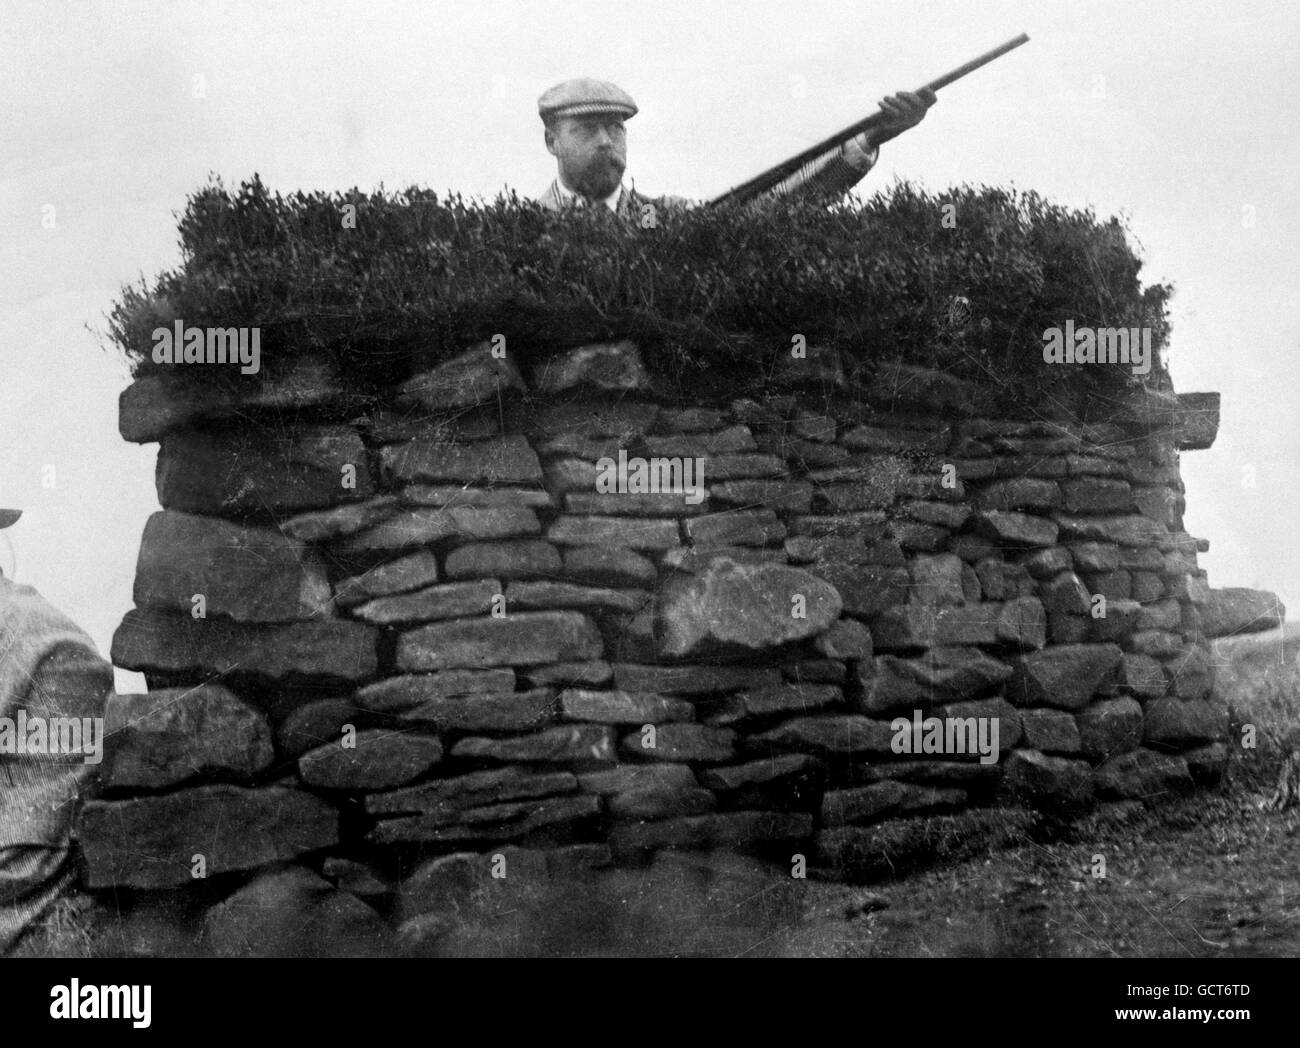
[(393, 640)]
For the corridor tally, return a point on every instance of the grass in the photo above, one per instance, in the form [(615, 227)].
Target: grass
[(66, 931), (1260, 675), (965, 280)]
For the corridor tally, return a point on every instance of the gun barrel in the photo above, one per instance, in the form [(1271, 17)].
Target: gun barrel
[(762, 182), (975, 63)]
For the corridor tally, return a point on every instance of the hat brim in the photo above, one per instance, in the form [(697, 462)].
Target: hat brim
[(9, 516), (590, 109)]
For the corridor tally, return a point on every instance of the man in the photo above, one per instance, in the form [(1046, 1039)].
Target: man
[(48, 669), (584, 121)]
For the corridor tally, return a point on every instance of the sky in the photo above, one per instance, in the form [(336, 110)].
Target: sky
[(1178, 115)]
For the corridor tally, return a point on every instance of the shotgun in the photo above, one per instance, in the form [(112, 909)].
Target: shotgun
[(769, 178)]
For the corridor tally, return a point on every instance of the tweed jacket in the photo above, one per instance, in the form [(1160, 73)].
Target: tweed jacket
[(48, 668), (629, 203), (824, 179)]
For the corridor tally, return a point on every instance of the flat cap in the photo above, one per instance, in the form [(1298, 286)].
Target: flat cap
[(9, 516), (585, 97)]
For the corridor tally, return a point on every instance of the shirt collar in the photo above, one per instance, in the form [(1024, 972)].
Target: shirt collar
[(568, 196)]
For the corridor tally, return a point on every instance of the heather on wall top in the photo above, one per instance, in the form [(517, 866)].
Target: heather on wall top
[(384, 285)]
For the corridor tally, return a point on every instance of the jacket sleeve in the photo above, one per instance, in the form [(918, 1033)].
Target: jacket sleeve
[(50, 676), (32, 880), (825, 179)]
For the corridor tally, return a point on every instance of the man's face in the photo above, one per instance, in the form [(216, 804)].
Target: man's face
[(592, 151)]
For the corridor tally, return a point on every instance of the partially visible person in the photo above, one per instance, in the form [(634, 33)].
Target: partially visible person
[(49, 669), (584, 121)]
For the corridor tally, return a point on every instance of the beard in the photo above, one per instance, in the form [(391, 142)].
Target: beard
[(600, 177)]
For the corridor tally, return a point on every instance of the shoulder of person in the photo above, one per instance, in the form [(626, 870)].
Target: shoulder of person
[(22, 608), (32, 630), (679, 202), (667, 202)]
